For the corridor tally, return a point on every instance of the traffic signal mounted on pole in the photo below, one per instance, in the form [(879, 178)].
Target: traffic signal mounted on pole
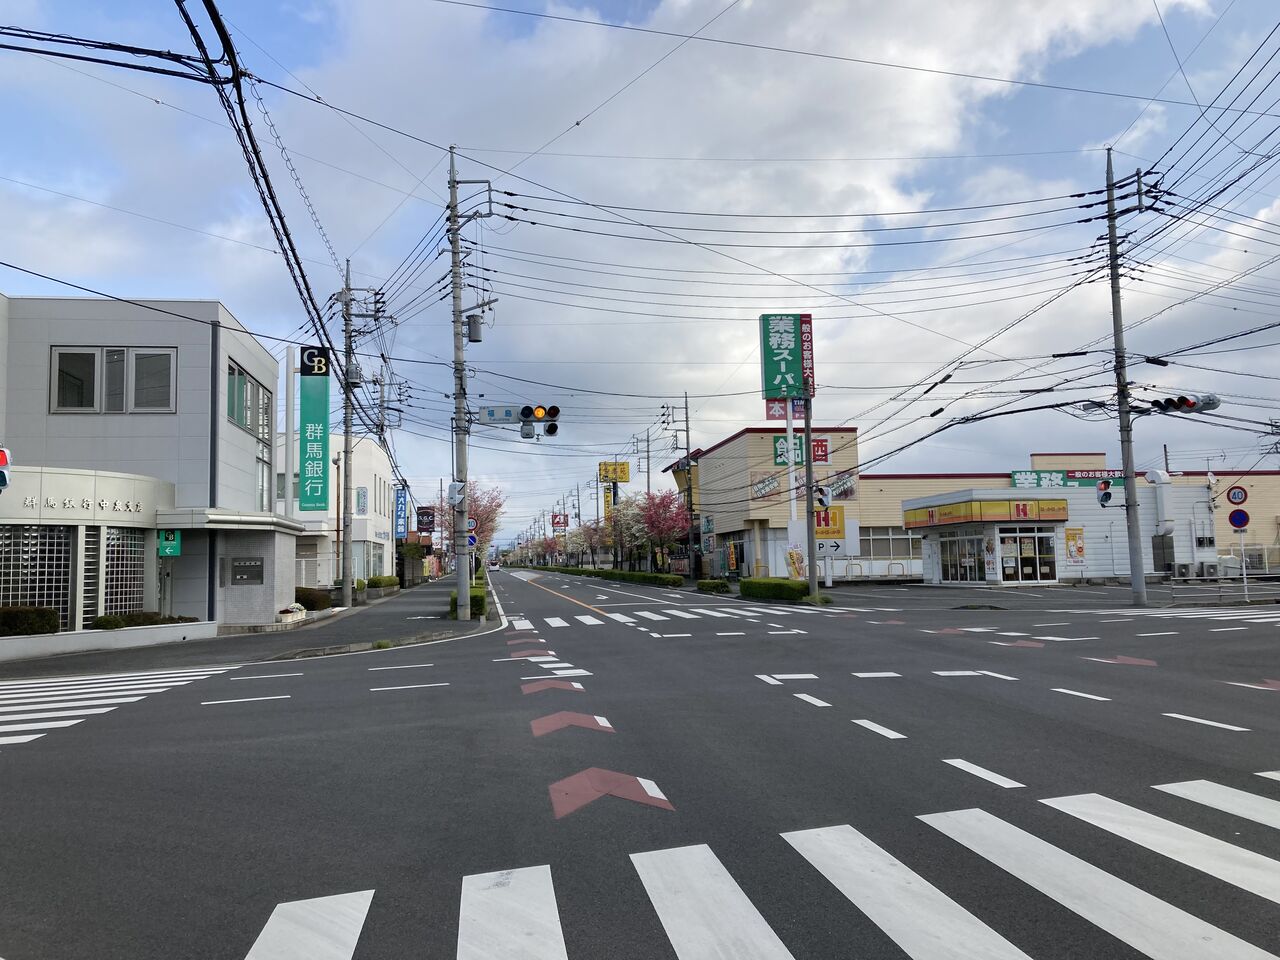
[(4, 468), (1104, 492), (821, 496), (1186, 403), (545, 415)]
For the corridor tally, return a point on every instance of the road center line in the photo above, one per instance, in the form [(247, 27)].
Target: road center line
[(884, 673), (209, 703), (1207, 723), (266, 676), (984, 773), (407, 666), (1077, 693), (814, 700), (883, 731), (1166, 633), (412, 686)]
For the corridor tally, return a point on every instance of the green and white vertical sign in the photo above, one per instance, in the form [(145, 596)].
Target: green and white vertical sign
[(786, 355), (313, 429)]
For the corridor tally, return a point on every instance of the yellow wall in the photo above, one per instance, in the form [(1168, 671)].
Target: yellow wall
[(1263, 507), (880, 499), (1068, 461)]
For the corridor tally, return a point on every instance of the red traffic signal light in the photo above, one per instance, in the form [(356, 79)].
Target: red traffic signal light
[(1104, 492), (1187, 403), (4, 468)]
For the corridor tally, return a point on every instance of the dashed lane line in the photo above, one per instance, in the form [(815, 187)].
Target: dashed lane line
[(883, 731), (984, 773)]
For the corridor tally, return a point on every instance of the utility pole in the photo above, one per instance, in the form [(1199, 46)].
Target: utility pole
[(461, 554), (1137, 573), (810, 533), (688, 482), (348, 388), (648, 466)]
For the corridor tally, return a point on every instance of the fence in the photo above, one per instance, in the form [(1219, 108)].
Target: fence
[(1213, 591)]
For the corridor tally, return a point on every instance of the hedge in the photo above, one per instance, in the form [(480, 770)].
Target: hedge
[(140, 618), (773, 588), (387, 581), (312, 599), (713, 586), (478, 603), (625, 576), (19, 621)]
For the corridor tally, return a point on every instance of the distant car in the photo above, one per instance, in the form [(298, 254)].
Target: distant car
[(495, 565)]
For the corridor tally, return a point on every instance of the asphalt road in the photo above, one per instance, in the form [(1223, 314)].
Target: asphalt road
[(713, 782)]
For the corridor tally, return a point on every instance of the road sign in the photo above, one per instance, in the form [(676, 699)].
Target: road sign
[(472, 523), (471, 539), (828, 523), (505, 413), (169, 543), (1239, 519), (832, 548), (1237, 495)]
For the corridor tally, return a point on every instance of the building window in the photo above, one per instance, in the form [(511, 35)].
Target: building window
[(889, 543), (35, 568), (264, 484), (248, 403), (113, 379), (123, 571)]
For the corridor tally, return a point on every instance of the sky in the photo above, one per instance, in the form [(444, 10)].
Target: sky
[(667, 192)]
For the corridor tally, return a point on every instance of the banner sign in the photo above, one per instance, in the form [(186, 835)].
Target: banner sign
[(619, 471), (402, 513), (776, 409), (313, 429), (765, 485), (362, 501), (974, 511), (828, 523), (559, 521), (821, 449), (1075, 546), (426, 519), (1026, 479), (786, 355)]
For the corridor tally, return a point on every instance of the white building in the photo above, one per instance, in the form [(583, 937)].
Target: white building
[(124, 420), (372, 515)]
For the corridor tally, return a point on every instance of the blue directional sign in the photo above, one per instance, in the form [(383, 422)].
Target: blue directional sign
[(471, 539), (1239, 519), (402, 513)]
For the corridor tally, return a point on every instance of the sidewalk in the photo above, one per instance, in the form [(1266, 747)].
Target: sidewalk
[(420, 613)]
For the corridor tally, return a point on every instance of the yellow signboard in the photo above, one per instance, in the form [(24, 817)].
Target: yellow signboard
[(979, 510), (828, 523), (619, 471)]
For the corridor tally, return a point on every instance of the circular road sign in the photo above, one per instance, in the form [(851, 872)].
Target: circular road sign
[(472, 523), (471, 539), (1238, 519), (1237, 495)]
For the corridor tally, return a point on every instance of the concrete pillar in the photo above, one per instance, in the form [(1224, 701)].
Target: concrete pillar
[(76, 620)]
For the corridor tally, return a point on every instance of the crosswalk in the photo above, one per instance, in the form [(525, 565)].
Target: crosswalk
[(705, 914), (1247, 614), (753, 613), (31, 709)]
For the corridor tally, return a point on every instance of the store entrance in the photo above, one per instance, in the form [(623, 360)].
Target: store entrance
[(1028, 555), (962, 559)]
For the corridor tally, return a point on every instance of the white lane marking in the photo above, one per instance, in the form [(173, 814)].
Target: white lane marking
[(681, 614), (1060, 623), (998, 676), (814, 700), (150, 674), (41, 725), (896, 898), (1166, 633), (732, 633), (556, 622), (572, 673), (1077, 693), (620, 617), (768, 679), (709, 613), (266, 676), (795, 676), (89, 691), (59, 703), (17, 691), (651, 788), (522, 624), (411, 686), (1131, 915), (1269, 774), (603, 722), (984, 773), (776, 612), (510, 914), (555, 664), (883, 731), (547, 658), (1231, 864), (703, 910), (325, 928), (209, 703), (1207, 723), (673, 634), (54, 714), (881, 673), (742, 611), (1225, 629), (587, 618), (1241, 803), (1121, 620), (22, 738), (405, 666), (650, 616), (978, 629), (1012, 633), (1064, 639), (957, 673)]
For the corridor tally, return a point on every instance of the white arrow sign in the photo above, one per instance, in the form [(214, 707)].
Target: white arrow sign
[(831, 548)]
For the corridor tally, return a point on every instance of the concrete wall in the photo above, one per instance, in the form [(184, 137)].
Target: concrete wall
[(50, 645), (254, 603)]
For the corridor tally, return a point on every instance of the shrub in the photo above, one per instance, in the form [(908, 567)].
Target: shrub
[(773, 588), (18, 621), (713, 586), (152, 618), (382, 645), (108, 621), (625, 576), (821, 600), (478, 603), (313, 599), (361, 585), (387, 581)]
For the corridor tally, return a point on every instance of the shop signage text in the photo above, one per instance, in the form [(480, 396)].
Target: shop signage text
[(1028, 479), (974, 511), (313, 429)]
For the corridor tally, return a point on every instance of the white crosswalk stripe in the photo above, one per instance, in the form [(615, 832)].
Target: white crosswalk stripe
[(620, 617), (710, 613), (41, 704), (1230, 614), (650, 616), (705, 914), (556, 622), (682, 614)]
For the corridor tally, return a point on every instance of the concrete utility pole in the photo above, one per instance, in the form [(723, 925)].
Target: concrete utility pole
[(461, 553), (1137, 574), (688, 481), (648, 464), (808, 490), (348, 389)]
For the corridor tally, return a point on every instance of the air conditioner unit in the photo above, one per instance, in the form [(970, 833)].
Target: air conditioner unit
[(1182, 571), (1209, 570)]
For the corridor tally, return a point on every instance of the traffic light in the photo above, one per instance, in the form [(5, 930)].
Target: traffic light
[(4, 468), (1104, 492), (545, 415), (822, 497), (1186, 403)]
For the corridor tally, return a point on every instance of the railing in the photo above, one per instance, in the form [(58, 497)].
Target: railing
[(1254, 588)]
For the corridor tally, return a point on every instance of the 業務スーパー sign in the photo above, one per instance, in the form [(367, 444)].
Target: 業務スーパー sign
[(1027, 479), (786, 355), (313, 429)]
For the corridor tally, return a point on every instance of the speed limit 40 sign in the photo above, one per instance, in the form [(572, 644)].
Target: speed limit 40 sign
[(1237, 496)]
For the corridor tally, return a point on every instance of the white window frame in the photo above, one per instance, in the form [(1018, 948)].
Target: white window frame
[(99, 379)]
